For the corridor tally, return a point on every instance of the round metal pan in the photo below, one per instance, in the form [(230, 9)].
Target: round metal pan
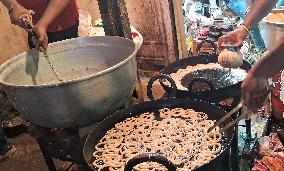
[(213, 95), (209, 93), (214, 113)]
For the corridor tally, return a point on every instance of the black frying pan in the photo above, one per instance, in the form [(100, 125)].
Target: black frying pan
[(213, 112), (209, 92)]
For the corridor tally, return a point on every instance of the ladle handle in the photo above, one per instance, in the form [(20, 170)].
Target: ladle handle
[(158, 77), (150, 157), (200, 80)]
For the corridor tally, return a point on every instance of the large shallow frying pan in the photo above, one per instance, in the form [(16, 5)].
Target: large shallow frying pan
[(213, 112), (210, 92)]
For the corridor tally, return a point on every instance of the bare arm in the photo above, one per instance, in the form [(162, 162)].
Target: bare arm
[(16, 11), (259, 10), (8, 3), (53, 10), (271, 63), (255, 85)]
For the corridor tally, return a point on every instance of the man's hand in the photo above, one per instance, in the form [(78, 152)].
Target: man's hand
[(254, 91), (20, 12), (236, 37), (53, 10), (42, 40)]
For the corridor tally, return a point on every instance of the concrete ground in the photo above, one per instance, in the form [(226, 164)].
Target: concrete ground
[(28, 156)]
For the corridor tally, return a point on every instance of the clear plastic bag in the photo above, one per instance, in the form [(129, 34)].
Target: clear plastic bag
[(85, 23)]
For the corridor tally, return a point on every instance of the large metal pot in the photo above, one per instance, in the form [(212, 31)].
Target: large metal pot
[(273, 30), (99, 76)]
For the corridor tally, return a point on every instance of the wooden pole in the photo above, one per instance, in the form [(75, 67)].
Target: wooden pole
[(116, 23)]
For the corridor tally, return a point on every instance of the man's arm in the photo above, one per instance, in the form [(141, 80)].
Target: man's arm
[(8, 3), (16, 11), (271, 63), (259, 10), (53, 10), (255, 85)]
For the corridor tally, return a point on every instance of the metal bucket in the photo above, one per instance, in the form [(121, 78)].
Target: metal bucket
[(272, 30), (99, 76)]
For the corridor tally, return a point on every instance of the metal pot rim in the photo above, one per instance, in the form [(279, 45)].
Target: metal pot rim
[(68, 82), (273, 23)]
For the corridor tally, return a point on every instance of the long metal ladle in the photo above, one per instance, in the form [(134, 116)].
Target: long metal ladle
[(29, 29)]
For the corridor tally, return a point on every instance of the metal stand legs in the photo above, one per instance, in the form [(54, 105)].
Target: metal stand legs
[(48, 159)]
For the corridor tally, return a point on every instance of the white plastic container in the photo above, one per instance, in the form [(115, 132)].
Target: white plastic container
[(273, 24)]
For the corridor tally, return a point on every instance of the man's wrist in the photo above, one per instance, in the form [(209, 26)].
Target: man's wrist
[(246, 28), (42, 25)]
